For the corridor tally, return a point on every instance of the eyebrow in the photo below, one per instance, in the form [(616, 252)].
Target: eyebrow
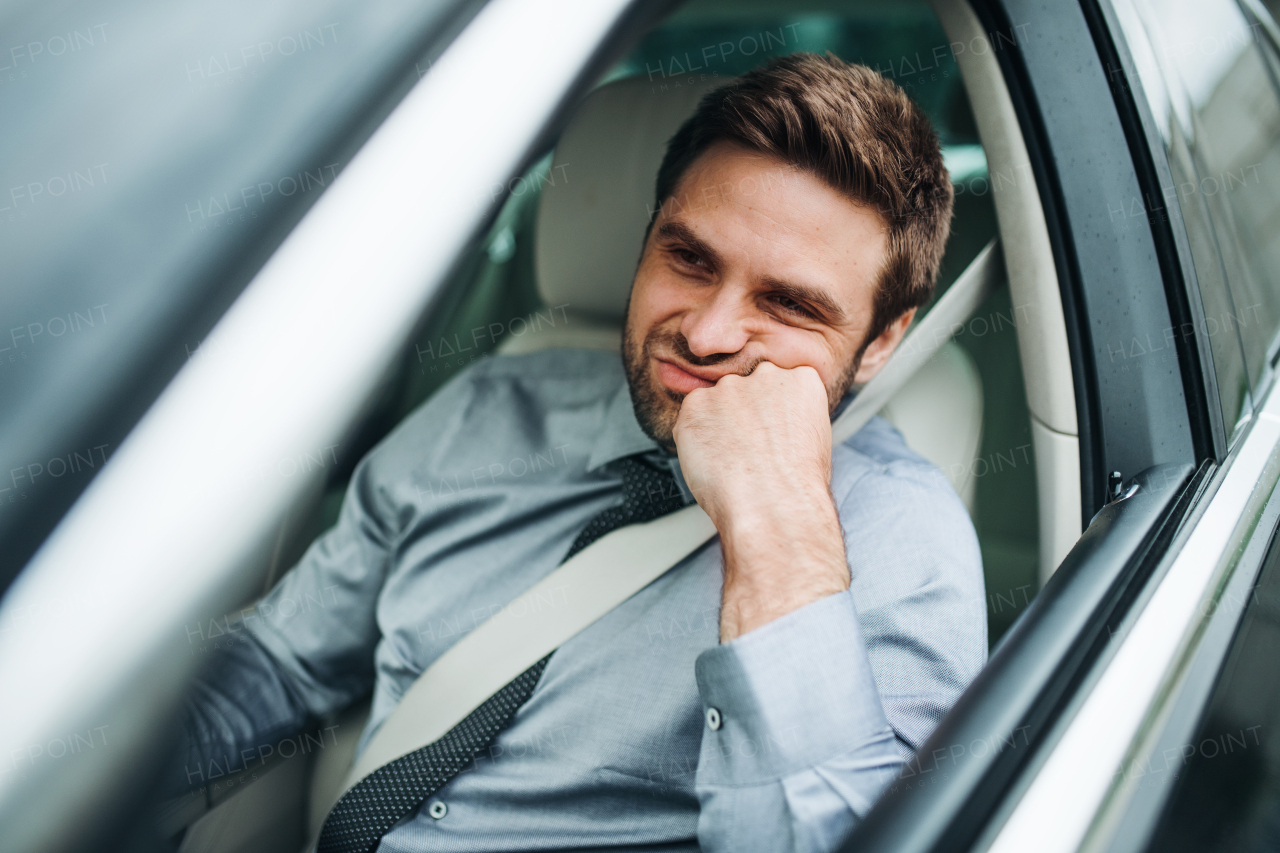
[(677, 231)]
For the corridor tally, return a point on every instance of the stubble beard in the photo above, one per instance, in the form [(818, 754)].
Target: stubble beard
[(657, 407)]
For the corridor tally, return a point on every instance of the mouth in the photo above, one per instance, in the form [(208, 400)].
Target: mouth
[(682, 379)]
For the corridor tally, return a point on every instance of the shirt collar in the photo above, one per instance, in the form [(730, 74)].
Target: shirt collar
[(620, 434)]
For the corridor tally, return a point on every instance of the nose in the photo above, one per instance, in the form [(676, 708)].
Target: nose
[(718, 324)]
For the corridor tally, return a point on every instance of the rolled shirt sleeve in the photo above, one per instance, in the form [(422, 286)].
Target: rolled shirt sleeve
[(234, 714), (795, 745), (303, 652)]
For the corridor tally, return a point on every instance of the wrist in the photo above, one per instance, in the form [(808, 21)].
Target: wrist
[(779, 511), (778, 559)]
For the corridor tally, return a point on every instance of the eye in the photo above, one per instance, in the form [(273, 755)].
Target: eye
[(686, 256), (789, 305)]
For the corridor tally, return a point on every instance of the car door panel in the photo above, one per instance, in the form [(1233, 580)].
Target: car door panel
[(944, 797)]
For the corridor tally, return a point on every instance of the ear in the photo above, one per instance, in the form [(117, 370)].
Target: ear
[(879, 350)]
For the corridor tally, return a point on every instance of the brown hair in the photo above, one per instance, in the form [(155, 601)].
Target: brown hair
[(856, 131)]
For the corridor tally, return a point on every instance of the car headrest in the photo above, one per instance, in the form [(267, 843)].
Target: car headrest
[(596, 200)]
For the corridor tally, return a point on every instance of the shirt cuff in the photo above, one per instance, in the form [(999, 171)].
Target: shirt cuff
[(787, 696)]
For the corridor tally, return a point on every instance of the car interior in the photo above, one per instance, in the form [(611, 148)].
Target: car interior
[(994, 409)]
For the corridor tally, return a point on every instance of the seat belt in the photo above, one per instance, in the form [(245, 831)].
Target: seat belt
[(616, 566)]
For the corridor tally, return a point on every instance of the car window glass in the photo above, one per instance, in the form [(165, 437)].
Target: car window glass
[(153, 155), (1214, 100)]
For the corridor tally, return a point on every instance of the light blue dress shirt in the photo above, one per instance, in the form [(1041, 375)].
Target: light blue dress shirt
[(476, 496)]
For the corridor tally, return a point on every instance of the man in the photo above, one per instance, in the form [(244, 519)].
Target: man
[(760, 694)]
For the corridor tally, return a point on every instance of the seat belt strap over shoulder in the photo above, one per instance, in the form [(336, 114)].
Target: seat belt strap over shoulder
[(947, 317), (621, 563)]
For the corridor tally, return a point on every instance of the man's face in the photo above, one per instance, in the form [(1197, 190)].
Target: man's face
[(752, 260)]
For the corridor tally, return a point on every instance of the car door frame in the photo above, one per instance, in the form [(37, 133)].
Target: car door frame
[(1091, 162), (1179, 628)]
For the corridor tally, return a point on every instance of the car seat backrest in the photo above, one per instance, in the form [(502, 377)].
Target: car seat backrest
[(599, 194)]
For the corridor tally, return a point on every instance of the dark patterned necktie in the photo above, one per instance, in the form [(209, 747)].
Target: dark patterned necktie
[(366, 812)]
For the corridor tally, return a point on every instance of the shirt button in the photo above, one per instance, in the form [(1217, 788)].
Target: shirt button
[(713, 719), (438, 810)]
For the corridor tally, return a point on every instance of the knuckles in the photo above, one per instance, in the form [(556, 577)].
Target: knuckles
[(767, 386)]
